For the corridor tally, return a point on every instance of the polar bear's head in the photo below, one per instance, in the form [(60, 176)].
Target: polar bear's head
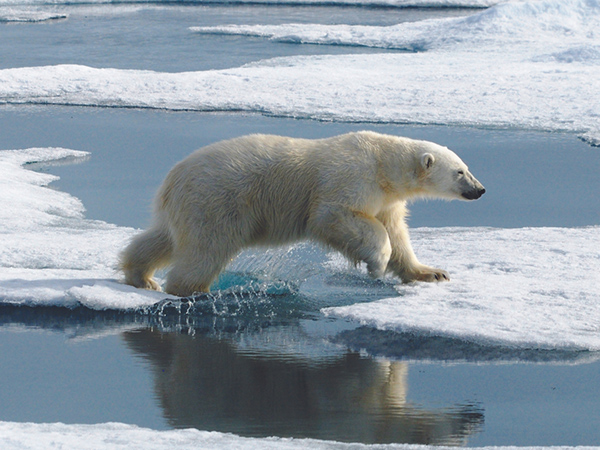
[(443, 174)]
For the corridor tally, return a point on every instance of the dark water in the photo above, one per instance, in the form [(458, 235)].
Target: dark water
[(261, 377)]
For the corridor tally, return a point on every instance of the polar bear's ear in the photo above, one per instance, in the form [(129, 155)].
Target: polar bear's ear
[(427, 160)]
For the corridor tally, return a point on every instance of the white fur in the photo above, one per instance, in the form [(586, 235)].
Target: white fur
[(348, 192)]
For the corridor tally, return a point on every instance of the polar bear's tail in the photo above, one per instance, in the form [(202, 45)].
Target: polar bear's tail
[(147, 252)]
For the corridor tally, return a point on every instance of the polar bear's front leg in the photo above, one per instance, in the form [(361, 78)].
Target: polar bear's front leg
[(358, 236), (403, 261)]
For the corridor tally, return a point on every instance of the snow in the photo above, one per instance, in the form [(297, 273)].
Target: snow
[(530, 65), (116, 436)]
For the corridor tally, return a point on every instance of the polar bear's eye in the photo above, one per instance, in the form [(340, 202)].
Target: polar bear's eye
[(461, 172)]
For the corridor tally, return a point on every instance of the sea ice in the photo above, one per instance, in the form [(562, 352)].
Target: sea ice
[(24, 14), (525, 287), (115, 436), (529, 65), (49, 253)]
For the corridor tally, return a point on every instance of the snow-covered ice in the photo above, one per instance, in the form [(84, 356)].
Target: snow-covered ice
[(115, 436), (526, 287), (49, 253), (531, 27), (531, 65)]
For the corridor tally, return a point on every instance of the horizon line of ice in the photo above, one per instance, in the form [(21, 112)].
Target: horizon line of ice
[(342, 3)]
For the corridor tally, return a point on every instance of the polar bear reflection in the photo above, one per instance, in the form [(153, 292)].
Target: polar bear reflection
[(210, 384)]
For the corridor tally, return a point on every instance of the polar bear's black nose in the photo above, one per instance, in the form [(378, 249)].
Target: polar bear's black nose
[(474, 194)]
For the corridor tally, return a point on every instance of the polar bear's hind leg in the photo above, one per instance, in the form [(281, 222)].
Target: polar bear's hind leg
[(147, 252)]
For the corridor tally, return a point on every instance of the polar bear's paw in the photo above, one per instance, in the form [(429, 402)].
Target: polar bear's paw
[(142, 282), (430, 275), (151, 285)]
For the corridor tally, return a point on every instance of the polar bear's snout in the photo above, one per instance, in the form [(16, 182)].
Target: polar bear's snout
[(473, 189)]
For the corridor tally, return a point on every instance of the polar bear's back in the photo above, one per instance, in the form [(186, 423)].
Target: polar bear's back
[(261, 183)]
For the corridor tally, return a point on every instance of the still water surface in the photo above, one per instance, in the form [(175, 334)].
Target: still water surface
[(263, 378)]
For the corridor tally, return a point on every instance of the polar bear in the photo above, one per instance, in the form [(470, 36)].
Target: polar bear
[(348, 192)]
